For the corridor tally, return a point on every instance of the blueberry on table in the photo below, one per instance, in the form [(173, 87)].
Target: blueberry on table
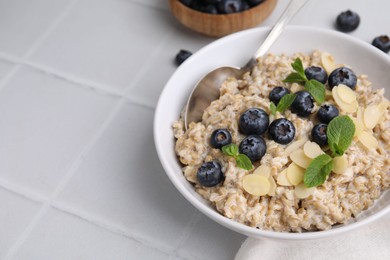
[(316, 73), (253, 121), (326, 113), (182, 56), (186, 2), (220, 137), (318, 134), (254, 2), (347, 21), (282, 131), (253, 146), (210, 9), (277, 93), (342, 75), (210, 174), (303, 104), (382, 42), (229, 6)]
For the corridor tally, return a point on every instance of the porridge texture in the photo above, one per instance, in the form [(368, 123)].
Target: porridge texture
[(345, 194)]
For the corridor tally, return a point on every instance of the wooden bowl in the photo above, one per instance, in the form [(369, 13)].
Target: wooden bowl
[(217, 25)]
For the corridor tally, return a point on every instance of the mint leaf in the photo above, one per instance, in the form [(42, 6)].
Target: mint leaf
[(230, 149), (298, 67), (272, 108), (318, 171), (244, 162), (316, 89), (340, 132), (285, 102), (294, 77)]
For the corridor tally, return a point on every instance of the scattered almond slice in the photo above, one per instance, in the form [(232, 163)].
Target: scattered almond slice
[(346, 94), (327, 62), (300, 158), (349, 108), (312, 149), (371, 116), (302, 192), (256, 185), (295, 145), (359, 127), (340, 164), (272, 188), (282, 179), (263, 170), (368, 140), (295, 174)]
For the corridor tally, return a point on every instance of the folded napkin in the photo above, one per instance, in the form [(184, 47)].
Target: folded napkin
[(368, 242)]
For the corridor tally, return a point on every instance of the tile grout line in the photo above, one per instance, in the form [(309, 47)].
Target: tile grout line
[(32, 196)]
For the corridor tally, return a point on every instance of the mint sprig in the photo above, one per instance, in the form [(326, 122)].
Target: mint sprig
[(284, 103), (340, 132), (315, 88), (242, 160), (318, 171)]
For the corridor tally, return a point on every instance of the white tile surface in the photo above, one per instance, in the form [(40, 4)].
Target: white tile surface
[(5, 68), (45, 122), (121, 181), (106, 41), (22, 22), (80, 239), (16, 213)]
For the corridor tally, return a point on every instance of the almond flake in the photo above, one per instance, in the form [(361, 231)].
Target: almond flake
[(346, 94), (349, 108), (295, 145), (340, 164), (256, 185), (327, 62), (300, 158), (295, 174), (368, 140), (371, 116), (359, 126), (263, 170), (282, 179), (302, 192), (312, 149), (272, 188)]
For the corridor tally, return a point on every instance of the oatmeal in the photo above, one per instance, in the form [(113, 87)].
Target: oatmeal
[(273, 194)]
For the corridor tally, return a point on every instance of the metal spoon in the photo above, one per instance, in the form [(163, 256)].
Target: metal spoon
[(207, 89)]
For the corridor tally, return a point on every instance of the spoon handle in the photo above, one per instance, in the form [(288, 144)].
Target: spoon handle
[(293, 7)]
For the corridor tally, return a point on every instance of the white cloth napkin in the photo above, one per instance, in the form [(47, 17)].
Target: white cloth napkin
[(371, 242)]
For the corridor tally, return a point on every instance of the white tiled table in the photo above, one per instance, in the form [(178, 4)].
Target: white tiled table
[(79, 175)]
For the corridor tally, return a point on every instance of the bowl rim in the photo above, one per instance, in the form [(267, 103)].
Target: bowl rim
[(214, 214)]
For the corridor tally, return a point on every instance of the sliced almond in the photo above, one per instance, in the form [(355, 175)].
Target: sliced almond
[(340, 164), (359, 117), (368, 140), (327, 62), (295, 145), (359, 127), (346, 94), (300, 158), (312, 149), (349, 108), (256, 185), (272, 188), (371, 116), (295, 174), (282, 179), (302, 192), (263, 170)]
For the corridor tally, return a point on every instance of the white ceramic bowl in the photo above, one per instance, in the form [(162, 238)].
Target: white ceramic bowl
[(236, 49)]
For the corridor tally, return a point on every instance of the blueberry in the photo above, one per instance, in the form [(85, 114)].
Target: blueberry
[(277, 93), (186, 2), (254, 2), (220, 137), (382, 42), (253, 146), (316, 73), (303, 104), (282, 131), (182, 56), (210, 174), (344, 76), (210, 9), (253, 121), (229, 6), (318, 134), (326, 113), (347, 21)]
